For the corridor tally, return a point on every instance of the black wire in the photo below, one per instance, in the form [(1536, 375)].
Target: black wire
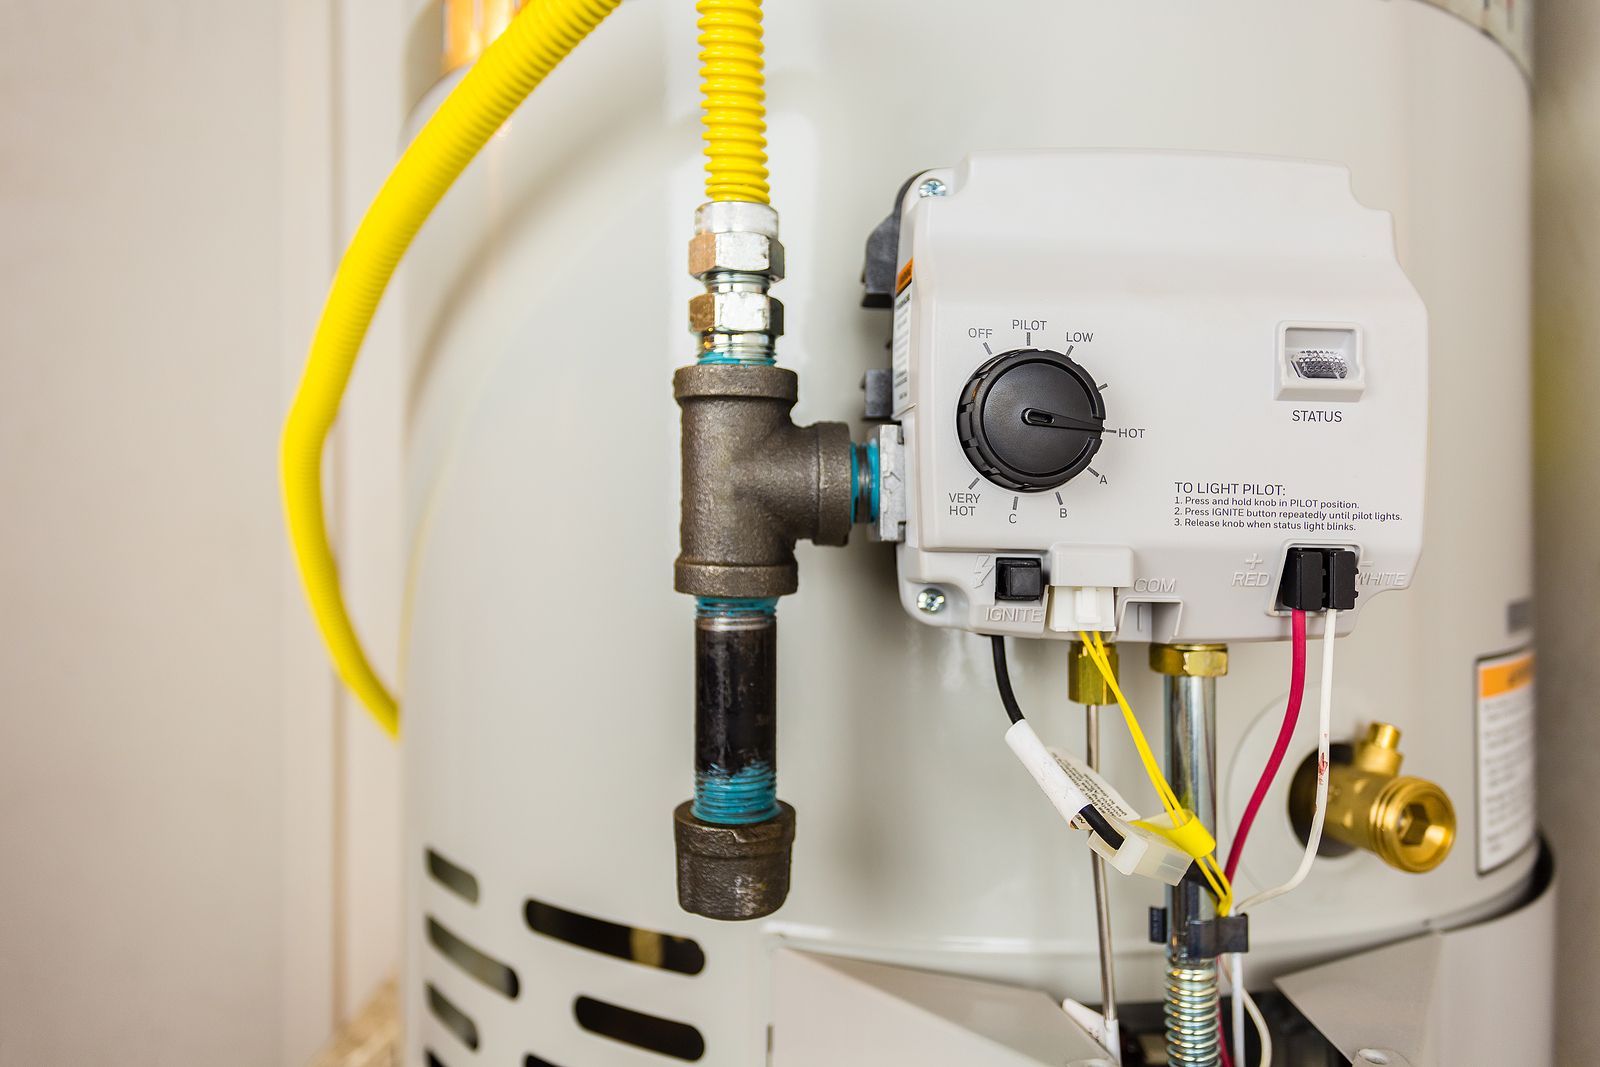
[(1101, 825), (1002, 680), (1195, 876)]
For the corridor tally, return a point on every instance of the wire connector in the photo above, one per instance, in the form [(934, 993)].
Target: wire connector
[(1340, 586), (1142, 848), (1317, 578), (1075, 608), (1145, 852)]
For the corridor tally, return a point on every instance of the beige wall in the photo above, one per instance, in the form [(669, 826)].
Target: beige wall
[(197, 833), (1567, 295), (142, 638)]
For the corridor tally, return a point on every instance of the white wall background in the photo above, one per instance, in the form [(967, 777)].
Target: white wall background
[(1567, 390), (198, 846)]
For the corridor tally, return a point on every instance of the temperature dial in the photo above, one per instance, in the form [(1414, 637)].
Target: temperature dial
[(1030, 419)]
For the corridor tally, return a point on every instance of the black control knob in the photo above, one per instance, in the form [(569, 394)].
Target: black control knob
[(1030, 419)]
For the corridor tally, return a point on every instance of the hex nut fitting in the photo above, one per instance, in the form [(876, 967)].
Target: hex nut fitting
[(1085, 683), (1189, 661), (733, 873), (738, 253), (736, 216), (735, 313)]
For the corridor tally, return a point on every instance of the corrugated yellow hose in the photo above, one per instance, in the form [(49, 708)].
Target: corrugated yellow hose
[(733, 82), (541, 35)]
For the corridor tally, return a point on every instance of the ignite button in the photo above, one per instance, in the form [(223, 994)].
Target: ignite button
[(1018, 578)]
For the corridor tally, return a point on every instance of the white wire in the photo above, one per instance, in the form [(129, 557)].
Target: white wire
[(1261, 1027), (1243, 1002), (1320, 812), (1236, 980)]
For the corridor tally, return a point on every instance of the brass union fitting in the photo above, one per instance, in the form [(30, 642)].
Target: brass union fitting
[(1409, 823), (1085, 683), (1190, 661)]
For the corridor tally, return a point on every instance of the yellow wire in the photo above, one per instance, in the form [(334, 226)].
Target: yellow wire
[(1209, 868), (541, 35), (1094, 645), (1097, 652), (733, 84)]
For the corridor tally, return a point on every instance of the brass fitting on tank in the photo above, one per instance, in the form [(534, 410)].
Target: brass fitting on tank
[(1085, 683), (1409, 823), (1189, 661)]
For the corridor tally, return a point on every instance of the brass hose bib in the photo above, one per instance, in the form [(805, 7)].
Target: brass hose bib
[(1409, 823)]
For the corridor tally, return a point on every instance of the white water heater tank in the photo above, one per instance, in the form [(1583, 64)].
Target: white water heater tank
[(548, 681)]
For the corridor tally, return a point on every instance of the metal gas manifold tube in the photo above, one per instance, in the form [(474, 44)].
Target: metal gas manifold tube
[(753, 485)]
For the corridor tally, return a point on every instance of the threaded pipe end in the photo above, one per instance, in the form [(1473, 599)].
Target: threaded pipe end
[(747, 796)]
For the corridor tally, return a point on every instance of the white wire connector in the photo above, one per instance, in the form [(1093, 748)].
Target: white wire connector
[(1082, 607), (1144, 852), (1071, 787)]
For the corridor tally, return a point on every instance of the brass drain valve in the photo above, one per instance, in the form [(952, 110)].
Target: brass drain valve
[(1409, 823)]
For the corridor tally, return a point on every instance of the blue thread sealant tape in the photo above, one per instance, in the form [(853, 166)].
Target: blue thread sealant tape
[(749, 795)]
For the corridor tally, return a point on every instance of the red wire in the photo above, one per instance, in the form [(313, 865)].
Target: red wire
[(1291, 716), (1280, 748)]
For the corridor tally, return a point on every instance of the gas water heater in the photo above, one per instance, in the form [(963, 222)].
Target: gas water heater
[(1128, 422)]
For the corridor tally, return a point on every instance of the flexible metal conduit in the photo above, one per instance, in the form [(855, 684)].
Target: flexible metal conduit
[(541, 35), (733, 84)]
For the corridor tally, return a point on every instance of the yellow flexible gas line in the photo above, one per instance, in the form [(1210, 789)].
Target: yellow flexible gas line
[(541, 35), (733, 83)]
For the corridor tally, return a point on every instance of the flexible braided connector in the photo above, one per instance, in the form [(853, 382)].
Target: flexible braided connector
[(733, 82), (541, 35)]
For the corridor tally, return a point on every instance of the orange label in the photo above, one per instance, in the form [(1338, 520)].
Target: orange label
[(1505, 676), (903, 279)]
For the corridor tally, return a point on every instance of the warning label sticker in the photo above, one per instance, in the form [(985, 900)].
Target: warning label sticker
[(1099, 792), (1507, 819)]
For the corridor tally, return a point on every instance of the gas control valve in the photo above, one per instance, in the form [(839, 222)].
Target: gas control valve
[(1129, 383)]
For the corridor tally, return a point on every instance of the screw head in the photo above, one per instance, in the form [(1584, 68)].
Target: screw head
[(931, 601), (932, 187), (1380, 1057)]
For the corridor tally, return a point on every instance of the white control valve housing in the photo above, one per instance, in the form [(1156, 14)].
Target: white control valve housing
[(1129, 382)]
